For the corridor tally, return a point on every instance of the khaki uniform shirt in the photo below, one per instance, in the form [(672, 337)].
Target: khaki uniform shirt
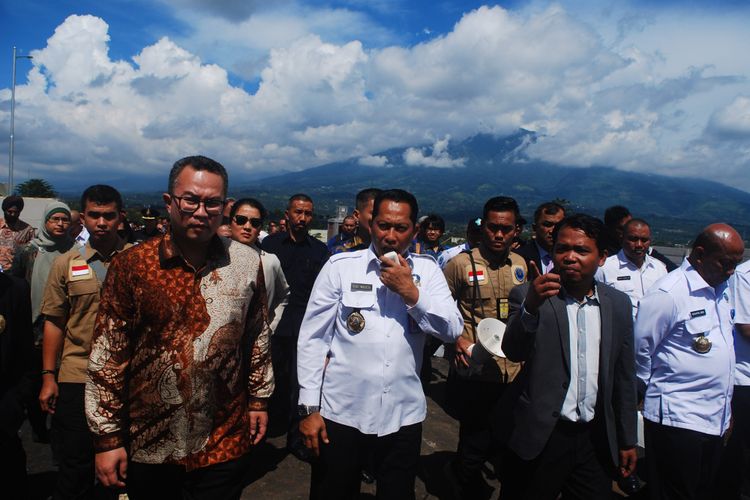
[(72, 293), (493, 283)]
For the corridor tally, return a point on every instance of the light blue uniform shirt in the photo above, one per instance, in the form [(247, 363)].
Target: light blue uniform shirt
[(371, 381), (740, 286), (620, 273), (684, 388)]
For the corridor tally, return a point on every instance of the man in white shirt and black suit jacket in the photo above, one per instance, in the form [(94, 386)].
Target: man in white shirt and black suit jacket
[(569, 418)]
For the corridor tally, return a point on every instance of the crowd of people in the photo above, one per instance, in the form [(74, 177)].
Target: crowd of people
[(164, 353)]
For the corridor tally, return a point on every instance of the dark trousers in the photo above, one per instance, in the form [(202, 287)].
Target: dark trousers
[(12, 455), (283, 404), (575, 461), (336, 473), (223, 481), (682, 464), (73, 444), (734, 474), (475, 443)]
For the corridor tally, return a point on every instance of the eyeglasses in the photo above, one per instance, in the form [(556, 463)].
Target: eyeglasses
[(189, 204), (59, 220), (241, 220)]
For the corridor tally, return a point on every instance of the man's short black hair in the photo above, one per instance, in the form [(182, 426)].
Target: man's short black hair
[(398, 196), (433, 220), (101, 194), (364, 197), (501, 204), (591, 226), (251, 202), (636, 222), (614, 214), (198, 163), (299, 197), (548, 208)]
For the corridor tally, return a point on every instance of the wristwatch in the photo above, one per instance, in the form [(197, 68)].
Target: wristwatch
[(305, 410)]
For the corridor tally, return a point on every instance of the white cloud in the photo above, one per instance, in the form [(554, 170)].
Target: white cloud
[(439, 157), (373, 161), (608, 88)]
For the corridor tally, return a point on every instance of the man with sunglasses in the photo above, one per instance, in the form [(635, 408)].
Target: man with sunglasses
[(69, 307), (539, 249), (246, 221), (179, 373)]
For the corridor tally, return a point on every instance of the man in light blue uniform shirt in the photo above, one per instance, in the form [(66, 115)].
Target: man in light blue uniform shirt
[(735, 465), (359, 354), (685, 365)]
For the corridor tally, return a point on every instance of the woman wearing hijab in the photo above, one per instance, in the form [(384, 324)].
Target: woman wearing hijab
[(33, 263)]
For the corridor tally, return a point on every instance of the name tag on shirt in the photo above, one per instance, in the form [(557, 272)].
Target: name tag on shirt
[(623, 278), (361, 287), (698, 313)]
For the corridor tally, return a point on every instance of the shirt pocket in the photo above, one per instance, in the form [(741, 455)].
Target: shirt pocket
[(83, 287), (624, 285), (358, 300), (703, 325)]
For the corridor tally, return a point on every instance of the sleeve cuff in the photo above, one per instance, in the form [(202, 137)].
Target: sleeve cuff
[(107, 442), (421, 307), (309, 397)]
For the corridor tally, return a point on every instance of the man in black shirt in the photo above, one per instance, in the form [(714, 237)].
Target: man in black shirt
[(301, 257)]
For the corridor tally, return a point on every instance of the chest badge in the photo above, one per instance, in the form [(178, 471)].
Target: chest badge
[(702, 344), (519, 275), (355, 322)]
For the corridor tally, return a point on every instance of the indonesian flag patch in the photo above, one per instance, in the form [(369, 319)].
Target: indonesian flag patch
[(479, 276)]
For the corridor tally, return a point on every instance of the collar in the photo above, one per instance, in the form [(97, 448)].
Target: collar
[(694, 279), (170, 255), (593, 298), (89, 253), (623, 260), (491, 259), (542, 251), (288, 238)]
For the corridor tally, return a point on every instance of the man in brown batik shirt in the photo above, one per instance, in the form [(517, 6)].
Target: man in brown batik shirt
[(180, 369)]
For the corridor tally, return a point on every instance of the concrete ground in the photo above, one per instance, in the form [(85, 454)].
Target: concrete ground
[(275, 474)]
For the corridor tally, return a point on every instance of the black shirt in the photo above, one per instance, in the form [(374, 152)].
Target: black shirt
[(301, 262)]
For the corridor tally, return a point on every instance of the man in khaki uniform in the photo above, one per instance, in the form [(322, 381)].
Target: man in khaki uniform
[(481, 281), (69, 305)]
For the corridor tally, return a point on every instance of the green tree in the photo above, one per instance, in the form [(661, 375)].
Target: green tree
[(37, 188)]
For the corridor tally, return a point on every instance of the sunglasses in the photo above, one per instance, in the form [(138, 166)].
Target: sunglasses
[(241, 220)]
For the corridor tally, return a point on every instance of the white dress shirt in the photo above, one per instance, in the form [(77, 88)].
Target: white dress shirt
[(371, 380), (620, 273), (447, 254), (685, 388), (590, 380), (740, 286)]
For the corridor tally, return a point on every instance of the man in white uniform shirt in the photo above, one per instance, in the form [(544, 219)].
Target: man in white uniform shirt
[(685, 366), (364, 328), (632, 270)]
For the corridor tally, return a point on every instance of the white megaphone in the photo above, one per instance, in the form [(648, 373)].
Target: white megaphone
[(490, 333)]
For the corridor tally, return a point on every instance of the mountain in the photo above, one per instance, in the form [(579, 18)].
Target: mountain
[(676, 207)]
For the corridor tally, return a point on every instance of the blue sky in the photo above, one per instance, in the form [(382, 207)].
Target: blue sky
[(120, 89)]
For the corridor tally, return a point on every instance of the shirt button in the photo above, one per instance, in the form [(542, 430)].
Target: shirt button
[(555, 414), (387, 363), (387, 389), (565, 385)]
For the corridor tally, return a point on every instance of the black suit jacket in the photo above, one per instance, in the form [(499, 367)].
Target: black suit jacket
[(17, 340), (530, 253), (531, 406)]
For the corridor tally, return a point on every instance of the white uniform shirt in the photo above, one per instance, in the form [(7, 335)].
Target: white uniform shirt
[(449, 253), (740, 286), (685, 388), (620, 273), (371, 381)]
